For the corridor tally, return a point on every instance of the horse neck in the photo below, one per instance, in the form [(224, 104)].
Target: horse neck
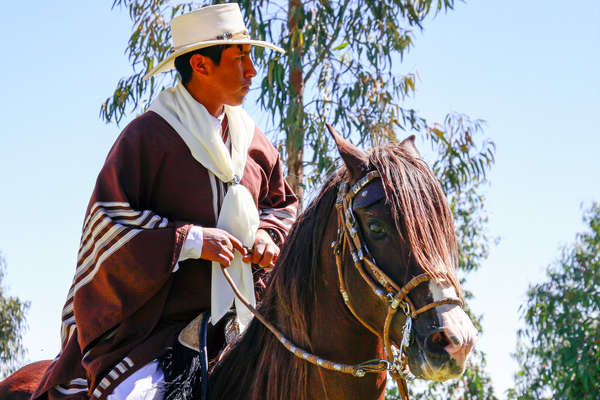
[(337, 336)]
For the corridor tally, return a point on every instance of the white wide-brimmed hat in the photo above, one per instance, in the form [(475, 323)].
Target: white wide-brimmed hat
[(205, 27)]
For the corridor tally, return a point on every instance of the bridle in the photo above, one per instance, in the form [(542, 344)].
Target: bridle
[(388, 292), (349, 238)]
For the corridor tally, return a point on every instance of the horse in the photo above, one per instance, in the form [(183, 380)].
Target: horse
[(365, 285)]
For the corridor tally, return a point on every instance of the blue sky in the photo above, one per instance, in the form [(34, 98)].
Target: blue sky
[(528, 68)]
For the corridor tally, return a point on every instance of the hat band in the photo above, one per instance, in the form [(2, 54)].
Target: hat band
[(241, 35), (234, 36)]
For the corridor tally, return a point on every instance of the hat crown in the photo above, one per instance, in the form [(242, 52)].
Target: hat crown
[(207, 23), (208, 26)]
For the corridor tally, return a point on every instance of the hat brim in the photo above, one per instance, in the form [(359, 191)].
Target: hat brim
[(169, 63)]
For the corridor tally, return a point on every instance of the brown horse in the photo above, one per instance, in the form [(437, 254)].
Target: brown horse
[(405, 227)]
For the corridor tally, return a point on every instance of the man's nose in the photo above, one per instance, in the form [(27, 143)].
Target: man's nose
[(249, 71)]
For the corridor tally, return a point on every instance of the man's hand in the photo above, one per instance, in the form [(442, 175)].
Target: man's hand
[(219, 245), (265, 251)]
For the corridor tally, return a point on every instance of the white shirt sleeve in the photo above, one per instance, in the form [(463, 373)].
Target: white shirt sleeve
[(192, 247)]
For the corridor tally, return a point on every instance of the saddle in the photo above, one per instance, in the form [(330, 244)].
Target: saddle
[(198, 346), (191, 335)]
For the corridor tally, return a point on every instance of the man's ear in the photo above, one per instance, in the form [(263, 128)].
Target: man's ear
[(201, 64)]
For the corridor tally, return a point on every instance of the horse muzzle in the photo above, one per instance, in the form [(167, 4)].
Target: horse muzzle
[(442, 353)]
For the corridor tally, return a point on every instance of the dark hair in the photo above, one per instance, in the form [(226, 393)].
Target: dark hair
[(182, 63)]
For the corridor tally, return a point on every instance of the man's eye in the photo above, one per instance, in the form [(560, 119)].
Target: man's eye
[(376, 227)]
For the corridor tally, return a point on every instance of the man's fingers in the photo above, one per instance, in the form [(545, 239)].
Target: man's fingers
[(248, 257), (220, 246), (235, 242), (228, 253), (257, 252), (269, 256), (223, 259), (223, 256)]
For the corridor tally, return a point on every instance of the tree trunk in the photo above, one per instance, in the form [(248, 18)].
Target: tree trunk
[(295, 115)]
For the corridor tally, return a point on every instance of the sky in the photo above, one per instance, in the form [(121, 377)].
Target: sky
[(528, 68)]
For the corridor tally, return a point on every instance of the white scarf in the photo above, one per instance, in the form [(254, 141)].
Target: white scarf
[(238, 215)]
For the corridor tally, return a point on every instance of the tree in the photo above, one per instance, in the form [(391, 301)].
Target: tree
[(12, 326), (559, 348), (341, 66)]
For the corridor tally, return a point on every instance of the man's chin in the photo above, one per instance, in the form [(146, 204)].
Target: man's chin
[(236, 102)]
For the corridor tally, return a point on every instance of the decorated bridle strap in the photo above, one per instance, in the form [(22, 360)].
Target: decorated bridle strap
[(434, 304), (416, 281), (361, 183), (358, 370), (344, 292), (348, 234)]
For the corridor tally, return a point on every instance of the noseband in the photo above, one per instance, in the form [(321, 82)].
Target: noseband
[(388, 292)]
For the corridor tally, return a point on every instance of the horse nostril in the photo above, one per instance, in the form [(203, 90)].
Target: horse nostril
[(437, 342)]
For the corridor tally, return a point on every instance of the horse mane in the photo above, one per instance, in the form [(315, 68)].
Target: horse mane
[(257, 363), (287, 301), (420, 211)]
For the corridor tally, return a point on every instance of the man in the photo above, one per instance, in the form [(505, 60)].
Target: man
[(188, 187)]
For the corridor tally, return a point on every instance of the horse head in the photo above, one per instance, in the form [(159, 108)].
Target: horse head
[(397, 251)]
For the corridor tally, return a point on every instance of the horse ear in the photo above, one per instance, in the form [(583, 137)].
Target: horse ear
[(355, 159), (409, 145)]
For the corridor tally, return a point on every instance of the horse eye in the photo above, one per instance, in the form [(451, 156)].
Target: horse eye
[(376, 227)]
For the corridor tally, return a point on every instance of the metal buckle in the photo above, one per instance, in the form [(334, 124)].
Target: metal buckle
[(397, 366), (376, 365), (394, 302), (406, 308), (406, 332)]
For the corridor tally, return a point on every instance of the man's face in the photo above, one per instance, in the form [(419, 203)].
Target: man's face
[(231, 79)]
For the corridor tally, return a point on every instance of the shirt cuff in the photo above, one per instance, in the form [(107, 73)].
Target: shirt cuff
[(192, 247)]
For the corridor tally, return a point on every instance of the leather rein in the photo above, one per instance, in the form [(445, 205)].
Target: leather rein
[(349, 238)]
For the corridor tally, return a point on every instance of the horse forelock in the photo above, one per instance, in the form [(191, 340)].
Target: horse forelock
[(420, 211)]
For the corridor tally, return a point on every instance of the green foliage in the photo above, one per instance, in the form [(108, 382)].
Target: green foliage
[(559, 349), (12, 326)]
